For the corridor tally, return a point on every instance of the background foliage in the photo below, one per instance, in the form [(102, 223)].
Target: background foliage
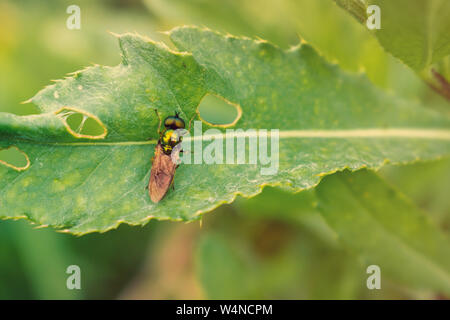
[(276, 245)]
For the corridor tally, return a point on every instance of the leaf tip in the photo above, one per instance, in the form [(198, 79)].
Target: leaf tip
[(116, 35)]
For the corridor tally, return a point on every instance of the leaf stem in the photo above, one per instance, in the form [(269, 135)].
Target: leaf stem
[(442, 87)]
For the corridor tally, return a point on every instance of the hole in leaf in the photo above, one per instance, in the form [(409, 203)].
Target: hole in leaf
[(14, 158), (217, 111), (82, 124)]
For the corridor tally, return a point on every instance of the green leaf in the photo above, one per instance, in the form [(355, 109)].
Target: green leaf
[(427, 184), (215, 250), (357, 8), (382, 226), (82, 182), (303, 268), (414, 31), (295, 209)]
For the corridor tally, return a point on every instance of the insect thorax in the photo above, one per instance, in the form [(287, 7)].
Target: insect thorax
[(169, 139)]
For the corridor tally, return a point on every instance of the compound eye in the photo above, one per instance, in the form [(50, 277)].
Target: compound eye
[(179, 123), (169, 122)]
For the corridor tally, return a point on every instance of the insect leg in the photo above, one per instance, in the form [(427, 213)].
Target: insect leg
[(159, 125), (190, 122)]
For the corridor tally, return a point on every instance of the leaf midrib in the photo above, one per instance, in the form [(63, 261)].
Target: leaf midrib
[(432, 134)]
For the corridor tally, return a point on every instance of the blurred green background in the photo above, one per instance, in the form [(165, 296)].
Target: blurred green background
[(258, 248)]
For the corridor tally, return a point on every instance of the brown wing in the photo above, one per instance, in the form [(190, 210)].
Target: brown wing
[(161, 175)]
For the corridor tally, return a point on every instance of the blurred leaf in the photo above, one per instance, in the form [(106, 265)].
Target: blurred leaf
[(34, 262), (242, 17), (219, 268), (105, 271), (329, 120), (36, 45), (357, 8), (304, 268), (335, 36), (414, 31), (427, 184), (384, 228), (292, 208), (45, 260)]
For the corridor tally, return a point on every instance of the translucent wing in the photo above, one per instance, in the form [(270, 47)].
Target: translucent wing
[(161, 175)]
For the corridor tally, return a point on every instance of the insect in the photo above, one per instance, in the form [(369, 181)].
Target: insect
[(163, 167)]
